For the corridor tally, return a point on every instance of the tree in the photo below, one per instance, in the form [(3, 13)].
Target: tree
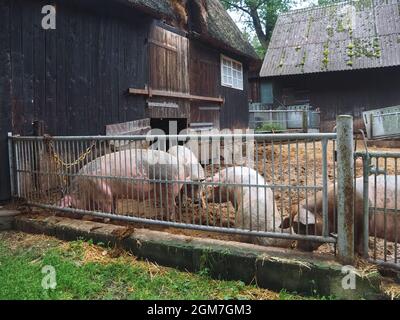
[(260, 16)]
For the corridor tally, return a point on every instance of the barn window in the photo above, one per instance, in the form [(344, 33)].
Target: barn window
[(231, 73)]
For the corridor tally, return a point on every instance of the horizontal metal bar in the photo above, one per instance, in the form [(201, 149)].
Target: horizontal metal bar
[(385, 263), (386, 114), (378, 154), (283, 111), (272, 137), (382, 210), (273, 235), (187, 182)]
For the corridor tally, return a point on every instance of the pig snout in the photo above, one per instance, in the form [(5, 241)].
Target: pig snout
[(303, 229), (215, 193), (304, 222)]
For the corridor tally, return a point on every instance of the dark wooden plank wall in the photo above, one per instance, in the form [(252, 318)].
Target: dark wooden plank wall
[(235, 112), (342, 92), (5, 97), (255, 90), (73, 78), (205, 79)]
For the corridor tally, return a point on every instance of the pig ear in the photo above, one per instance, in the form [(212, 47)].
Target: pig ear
[(285, 224), (306, 217)]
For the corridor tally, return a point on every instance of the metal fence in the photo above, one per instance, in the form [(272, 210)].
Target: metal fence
[(285, 120), (247, 185), (270, 189), (378, 193), (382, 123)]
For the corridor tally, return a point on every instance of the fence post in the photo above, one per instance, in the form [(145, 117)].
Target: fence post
[(366, 172), (38, 131), (305, 121), (11, 164), (345, 206)]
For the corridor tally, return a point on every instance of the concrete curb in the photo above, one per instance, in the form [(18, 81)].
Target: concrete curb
[(7, 218), (271, 268)]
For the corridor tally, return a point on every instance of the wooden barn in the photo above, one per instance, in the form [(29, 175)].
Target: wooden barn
[(342, 59), (119, 66)]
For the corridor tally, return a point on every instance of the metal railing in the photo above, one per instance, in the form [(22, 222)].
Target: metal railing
[(285, 120), (240, 184), (383, 123), (379, 192), (274, 188)]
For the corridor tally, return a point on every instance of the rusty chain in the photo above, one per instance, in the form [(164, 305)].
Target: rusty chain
[(60, 163)]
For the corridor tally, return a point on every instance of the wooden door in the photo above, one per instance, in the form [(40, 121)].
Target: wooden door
[(168, 72), (204, 81)]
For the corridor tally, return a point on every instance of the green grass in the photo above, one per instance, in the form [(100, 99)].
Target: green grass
[(122, 277)]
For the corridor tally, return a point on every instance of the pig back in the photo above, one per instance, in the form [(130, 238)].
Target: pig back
[(133, 162), (383, 225), (188, 159)]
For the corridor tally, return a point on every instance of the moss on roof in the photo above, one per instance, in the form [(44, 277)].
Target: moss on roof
[(345, 36)]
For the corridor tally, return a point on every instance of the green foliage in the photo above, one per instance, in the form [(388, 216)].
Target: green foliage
[(284, 295), (325, 60), (363, 4), (330, 31), (282, 60), (269, 127), (340, 27), (364, 48), (261, 51), (267, 12)]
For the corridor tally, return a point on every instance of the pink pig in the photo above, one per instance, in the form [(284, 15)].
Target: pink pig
[(135, 174)]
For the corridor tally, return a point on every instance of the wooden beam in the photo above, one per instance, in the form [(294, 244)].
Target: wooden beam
[(172, 94)]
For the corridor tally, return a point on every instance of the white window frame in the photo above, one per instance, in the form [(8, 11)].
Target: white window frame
[(231, 73)]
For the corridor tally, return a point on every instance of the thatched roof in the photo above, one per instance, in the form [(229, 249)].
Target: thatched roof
[(220, 28), (347, 36)]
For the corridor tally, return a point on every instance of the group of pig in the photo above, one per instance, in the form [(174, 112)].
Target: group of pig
[(162, 176)]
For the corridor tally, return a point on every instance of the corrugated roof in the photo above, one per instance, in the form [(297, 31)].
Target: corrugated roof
[(346, 36), (220, 25)]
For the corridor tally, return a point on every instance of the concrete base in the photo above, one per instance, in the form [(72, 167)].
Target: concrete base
[(270, 268)]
